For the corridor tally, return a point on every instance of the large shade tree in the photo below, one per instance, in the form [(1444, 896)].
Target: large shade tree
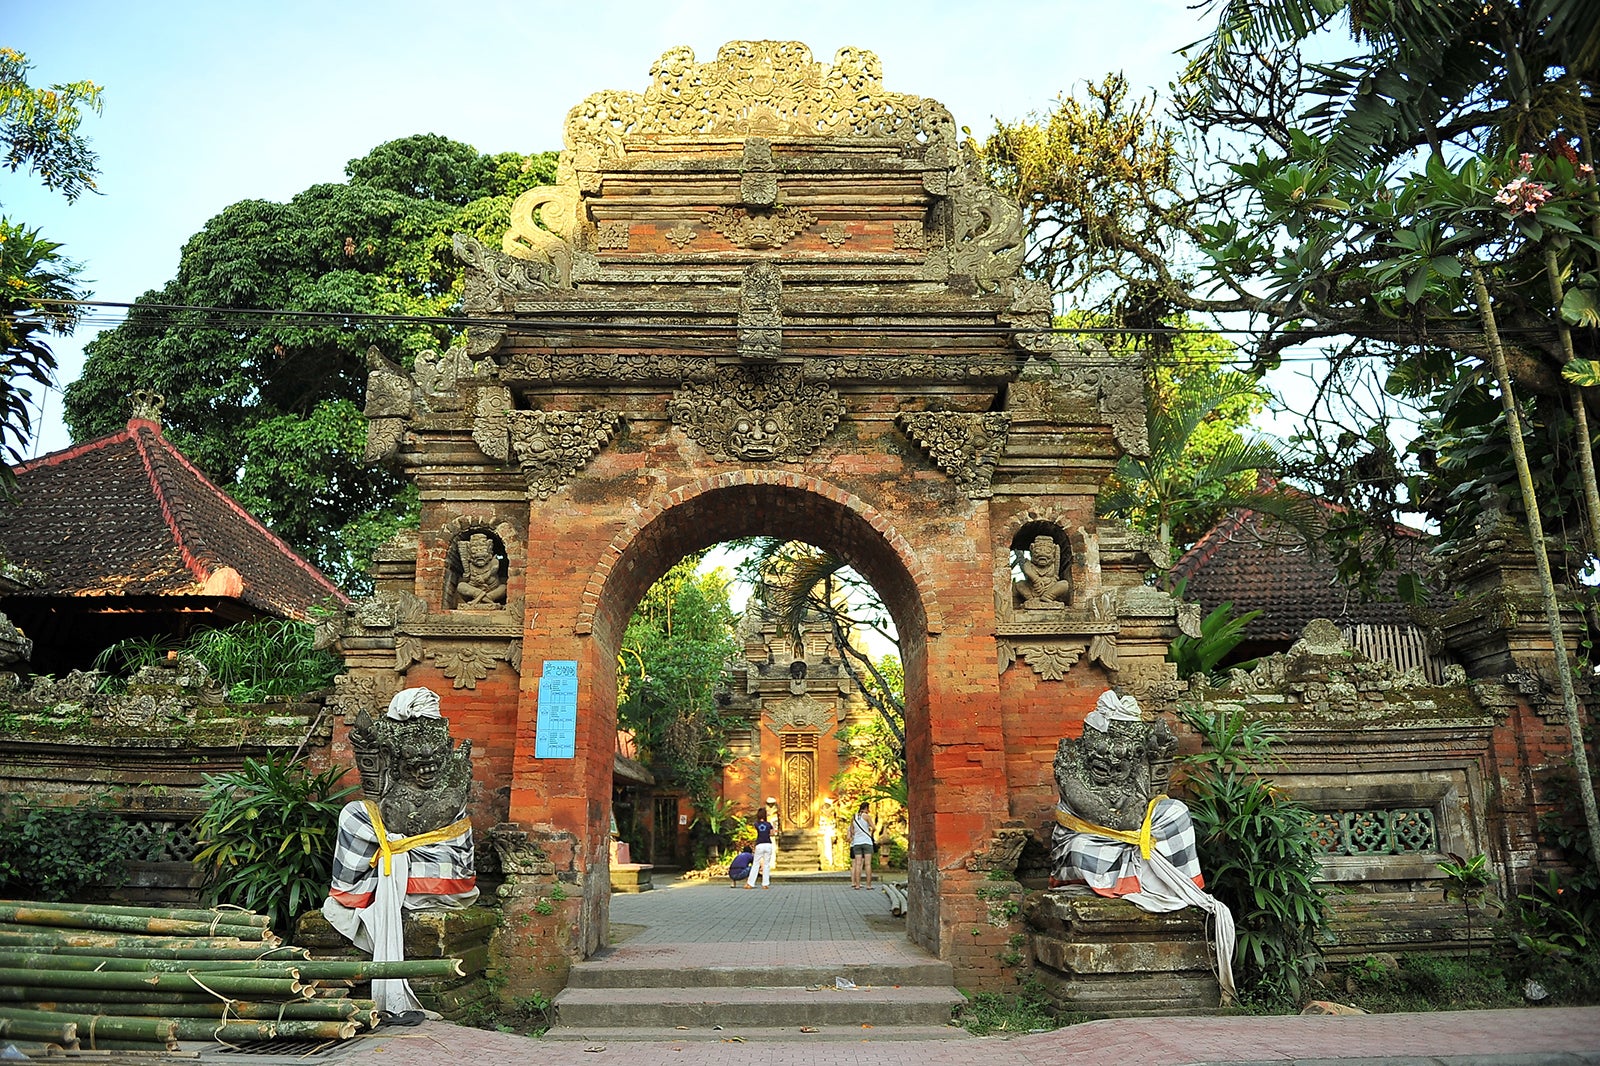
[(259, 343)]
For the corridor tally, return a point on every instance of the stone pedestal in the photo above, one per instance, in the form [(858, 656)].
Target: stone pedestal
[(1107, 957), (462, 934), (631, 877)]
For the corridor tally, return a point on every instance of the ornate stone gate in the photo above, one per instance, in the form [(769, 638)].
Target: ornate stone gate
[(767, 295)]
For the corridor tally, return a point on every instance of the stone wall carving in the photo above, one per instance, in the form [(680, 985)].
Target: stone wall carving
[(965, 445), (477, 578), (800, 712), (988, 245), (551, 446), (756, 414), (467, 664), (760, 317), (760, 230), (542, 221), (1050, 659), (495, 280)]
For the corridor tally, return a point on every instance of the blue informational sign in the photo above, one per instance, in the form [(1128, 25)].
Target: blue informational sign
[(556, 732)]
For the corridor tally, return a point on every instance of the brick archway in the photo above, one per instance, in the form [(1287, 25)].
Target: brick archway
[(766, 296)]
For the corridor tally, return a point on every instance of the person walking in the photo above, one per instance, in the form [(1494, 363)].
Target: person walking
[(765, 849), (861, 845)]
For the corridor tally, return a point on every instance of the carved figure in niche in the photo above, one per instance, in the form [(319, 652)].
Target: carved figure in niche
[(1118, 833), (482, 586), (407, 845), (1043, 587)]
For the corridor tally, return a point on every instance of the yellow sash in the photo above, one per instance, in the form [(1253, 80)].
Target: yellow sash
[(1141, 838), (387, 848)]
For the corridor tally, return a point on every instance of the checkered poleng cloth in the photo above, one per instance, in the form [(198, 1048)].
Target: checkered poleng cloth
[(1111, 867), (436, 871)]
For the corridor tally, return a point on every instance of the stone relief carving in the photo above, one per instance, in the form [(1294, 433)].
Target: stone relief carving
[(760, 315), (612, 235), (988, 245), (495, 280), (758, 184), (964, 445), (1050, 661), (760, 230), (681, 235), (800, 712), (542, 223), (465, 665), (1103, 646), (1043, 585), (481, 573), (655, 368), (835, 233), (756, 414), (551, 446), (766, 88), (389, 405), (910, 236), (491, 423)]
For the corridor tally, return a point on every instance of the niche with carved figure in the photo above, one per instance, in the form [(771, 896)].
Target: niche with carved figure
[(1041, 574), (475, 578)]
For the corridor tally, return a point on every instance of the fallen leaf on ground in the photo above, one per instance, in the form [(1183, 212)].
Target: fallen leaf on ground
[(808, 1029)]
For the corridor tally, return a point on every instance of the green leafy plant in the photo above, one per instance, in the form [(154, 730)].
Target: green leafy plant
[(269, 830), (1028, 1011), (54, 853), (1220, 632), (251, 660), (1467, 880), (1258, 856)]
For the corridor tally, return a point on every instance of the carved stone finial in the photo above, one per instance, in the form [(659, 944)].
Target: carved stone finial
[(756, 414), (147, 405), (551, 446), (965, 445)]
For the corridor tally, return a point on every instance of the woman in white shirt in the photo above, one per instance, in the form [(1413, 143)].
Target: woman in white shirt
[(861, 844)]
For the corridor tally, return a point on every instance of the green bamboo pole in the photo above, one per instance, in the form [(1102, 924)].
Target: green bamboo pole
[(368, 970), (41, 914), (243, 1032), (284, 968), (109, 996), (42, 935), (327, 1010), (222, 984), (17, 1022), (227, 916), (234, 955), (97, 1025), (135, 1049)]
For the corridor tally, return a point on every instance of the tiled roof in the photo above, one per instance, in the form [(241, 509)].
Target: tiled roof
[(128, 515), (1251, 561)]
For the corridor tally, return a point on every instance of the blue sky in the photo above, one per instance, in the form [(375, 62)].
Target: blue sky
[(207, 103)]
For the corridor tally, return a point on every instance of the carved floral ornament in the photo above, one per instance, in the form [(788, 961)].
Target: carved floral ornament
[(965, 445), (550, 446), (756, 414), (1050, 660)]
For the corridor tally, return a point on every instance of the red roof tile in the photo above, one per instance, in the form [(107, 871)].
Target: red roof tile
[(1250, 560), (128, 515)]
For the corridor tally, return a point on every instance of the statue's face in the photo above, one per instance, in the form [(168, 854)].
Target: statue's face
[(481, 552), (1108, 764), (1043, 551), (422, 753)]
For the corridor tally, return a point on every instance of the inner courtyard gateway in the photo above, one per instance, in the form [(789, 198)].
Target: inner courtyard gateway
[(767, 295)]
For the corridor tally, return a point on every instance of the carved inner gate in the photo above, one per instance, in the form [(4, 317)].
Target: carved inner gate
[(799, 780), (767, 295)]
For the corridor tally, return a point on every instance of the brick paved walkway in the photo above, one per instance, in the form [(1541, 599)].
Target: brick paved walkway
[(819, 923), (1545, 1037)]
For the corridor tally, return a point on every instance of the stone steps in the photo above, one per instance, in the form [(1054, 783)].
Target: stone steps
[(898, 994), (592, 1009)]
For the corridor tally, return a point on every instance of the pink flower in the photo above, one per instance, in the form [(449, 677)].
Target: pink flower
[(1585, 171), (1522, 195), (1525, 162)]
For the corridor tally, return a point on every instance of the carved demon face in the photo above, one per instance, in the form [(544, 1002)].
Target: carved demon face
[(421, 747), (1108, 762), (757, 436)]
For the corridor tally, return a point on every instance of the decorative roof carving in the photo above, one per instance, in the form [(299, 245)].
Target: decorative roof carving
[(800, 712), (551, 446), (965, 445), (989, 230), (756, 414), (542, 221), (766, 88), (495, 280)]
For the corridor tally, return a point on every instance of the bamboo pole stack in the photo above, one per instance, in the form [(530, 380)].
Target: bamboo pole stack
[(83, 976)]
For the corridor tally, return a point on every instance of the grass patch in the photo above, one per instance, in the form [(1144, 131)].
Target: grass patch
[(996, 1014)]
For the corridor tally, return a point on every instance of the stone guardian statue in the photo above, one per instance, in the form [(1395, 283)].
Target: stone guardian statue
[(407, 845), (1118, 833)]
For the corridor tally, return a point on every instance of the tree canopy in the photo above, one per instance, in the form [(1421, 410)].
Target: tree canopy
[(39, 131), (259, 343)]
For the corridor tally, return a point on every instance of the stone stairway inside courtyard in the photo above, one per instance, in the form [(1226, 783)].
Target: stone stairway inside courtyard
[(738, 992)]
